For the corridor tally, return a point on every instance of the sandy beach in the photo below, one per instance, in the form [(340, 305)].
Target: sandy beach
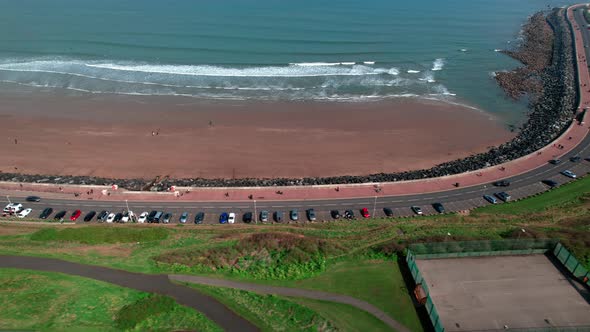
[(142, 137)]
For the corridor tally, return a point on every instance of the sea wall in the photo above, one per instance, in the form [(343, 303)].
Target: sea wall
[(551, 111)]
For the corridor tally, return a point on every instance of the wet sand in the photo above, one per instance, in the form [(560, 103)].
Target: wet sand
[(142, 137)]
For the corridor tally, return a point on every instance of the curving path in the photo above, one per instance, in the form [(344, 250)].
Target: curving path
[(189, 297), (295, 292), (214, 310)]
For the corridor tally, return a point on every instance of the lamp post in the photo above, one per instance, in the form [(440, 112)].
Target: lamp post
[(255, 215), (127, 206), (374, 206), (8, 198), (521, 231)]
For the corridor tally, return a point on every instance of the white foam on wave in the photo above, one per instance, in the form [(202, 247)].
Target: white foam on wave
[(267, 71), (427, 77), (438, 64), (76, 67), (411, 71), (369, 62), (463, 50), (497, 50)]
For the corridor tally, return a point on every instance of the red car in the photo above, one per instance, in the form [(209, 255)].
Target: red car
[(365, 213), (75, 215)]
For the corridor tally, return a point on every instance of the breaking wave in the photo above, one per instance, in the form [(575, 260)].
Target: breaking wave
[(294, 81), (438, 64)]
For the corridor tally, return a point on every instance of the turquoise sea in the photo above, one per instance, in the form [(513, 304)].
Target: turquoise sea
[(347, 50)]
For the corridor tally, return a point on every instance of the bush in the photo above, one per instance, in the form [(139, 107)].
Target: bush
[(132, 314), (99, 235), (270, 255)]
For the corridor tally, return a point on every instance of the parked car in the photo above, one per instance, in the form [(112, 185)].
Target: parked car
[(365, 213), (110, 217), (501, 183), (75, 215), (46, 212), (102, 216), (166, 217), (33, 199), (125, 217), (490, 199), (417, 210), (550, 183), (118, 217), (199, 217), (231, 218), (310, 214), (278, 216), (223, 218), (151, 216), (388, 212), (575, 159), (335, 214), (89, 215), (247, 217), (60, 215), (158, 216), (24, 213), (294, 215), (13, 208), (264, 216), (438, 207), (555, 161), (349, 214), (142, 217), (503, 196), (587, 159), (183, 217), (569, 174)]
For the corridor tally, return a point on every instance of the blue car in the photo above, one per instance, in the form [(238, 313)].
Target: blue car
[(223, 218)]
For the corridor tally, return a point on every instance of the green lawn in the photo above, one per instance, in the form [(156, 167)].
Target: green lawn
[(57, 302), (345, 317), (563, 197), (271, 313), (378, 282)]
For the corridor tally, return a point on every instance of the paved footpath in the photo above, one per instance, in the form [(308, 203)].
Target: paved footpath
[(189, 297), (573, 136)]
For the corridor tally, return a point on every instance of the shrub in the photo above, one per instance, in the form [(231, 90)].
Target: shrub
[(132, 314), (270, 255)]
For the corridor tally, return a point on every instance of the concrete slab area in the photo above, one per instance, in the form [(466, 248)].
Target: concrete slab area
[(489, 293)]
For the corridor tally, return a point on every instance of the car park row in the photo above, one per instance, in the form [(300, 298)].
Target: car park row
[(159, 216)]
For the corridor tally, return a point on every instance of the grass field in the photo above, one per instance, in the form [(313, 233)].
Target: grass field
[(349, 258), (57, 302)]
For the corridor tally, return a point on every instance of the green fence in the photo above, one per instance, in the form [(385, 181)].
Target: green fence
[(570, 262), (491, 248), (482, 248), (430, 308)]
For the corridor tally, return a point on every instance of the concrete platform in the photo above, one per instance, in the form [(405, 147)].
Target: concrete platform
[(489, 293)]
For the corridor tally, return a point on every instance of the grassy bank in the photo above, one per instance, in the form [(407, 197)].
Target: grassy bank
[(57, 302)]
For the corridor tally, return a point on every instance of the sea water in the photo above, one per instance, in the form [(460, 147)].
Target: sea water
[(346, 50)]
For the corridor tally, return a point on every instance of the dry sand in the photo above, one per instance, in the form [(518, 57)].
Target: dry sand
[(111, 136)]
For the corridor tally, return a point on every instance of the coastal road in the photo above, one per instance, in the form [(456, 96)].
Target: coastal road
[(462, 198)]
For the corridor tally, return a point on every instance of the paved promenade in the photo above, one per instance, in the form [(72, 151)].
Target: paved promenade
[(573, 136)]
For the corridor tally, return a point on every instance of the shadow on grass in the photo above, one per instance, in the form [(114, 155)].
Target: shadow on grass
[(410, 285)]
